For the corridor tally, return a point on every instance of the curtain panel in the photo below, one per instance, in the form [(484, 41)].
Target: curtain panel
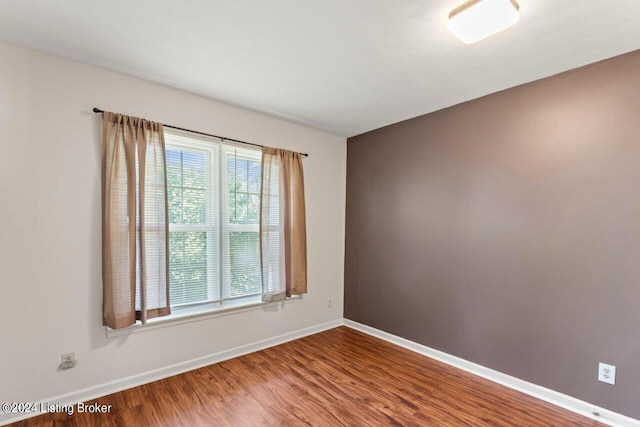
[(283, 236), (135, 228)]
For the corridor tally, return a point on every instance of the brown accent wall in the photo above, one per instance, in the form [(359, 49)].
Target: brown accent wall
[(506, 231)]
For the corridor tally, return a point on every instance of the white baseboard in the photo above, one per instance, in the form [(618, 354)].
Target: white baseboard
[(562, 400), (95, 392)]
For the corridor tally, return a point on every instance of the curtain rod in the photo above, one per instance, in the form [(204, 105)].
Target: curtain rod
[(99, 111)]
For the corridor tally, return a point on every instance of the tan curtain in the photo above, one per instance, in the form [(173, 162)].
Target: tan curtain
[(134, 221), (283, 235)]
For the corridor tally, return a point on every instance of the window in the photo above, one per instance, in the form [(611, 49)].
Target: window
[(214, 212), (196, 214)]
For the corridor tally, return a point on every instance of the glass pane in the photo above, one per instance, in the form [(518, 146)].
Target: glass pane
[(176, 252), (238, 208), (232, 207), (195, 248), (241, 175), (245, 263), (254, 177), (175, 205), (188, 272), (194, 206), (231, 174), (188, 178), (253, 209), (194, 170), (174, 168)]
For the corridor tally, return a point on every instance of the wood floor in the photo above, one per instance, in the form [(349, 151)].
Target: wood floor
[(340, 377)]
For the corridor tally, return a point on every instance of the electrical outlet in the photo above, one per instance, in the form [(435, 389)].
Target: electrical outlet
[(329, 303), (607, 373), (68, 361)]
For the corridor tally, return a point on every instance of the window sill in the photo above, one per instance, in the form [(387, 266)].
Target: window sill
[(184, 315)]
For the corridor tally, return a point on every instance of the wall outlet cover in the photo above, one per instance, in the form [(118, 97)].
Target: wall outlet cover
[(68, 357), (607, 373), (68, 361)]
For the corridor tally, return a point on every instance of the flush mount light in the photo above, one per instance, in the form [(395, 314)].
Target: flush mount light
[(478, 19)]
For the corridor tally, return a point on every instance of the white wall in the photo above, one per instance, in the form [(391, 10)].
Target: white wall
[(50, 230)]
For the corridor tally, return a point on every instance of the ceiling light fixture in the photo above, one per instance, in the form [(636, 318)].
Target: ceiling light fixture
[(478, 19)]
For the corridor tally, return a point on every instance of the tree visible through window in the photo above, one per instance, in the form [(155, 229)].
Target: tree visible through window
[(214, 202)]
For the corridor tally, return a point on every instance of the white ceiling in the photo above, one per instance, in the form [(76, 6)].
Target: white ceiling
[(342, 66)]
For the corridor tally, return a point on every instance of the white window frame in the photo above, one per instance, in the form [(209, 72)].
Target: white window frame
[(217, 152), (179, 141), (225, 153)]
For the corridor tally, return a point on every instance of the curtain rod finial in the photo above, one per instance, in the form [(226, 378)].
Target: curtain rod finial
[(97, 110)]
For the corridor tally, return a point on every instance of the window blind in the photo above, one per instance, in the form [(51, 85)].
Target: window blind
[(241, 215), (214, 197)]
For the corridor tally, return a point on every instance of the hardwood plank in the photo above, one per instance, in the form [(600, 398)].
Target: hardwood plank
[(340, 377)]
